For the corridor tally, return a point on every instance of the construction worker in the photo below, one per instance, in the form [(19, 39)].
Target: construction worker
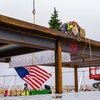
[(64, 27), (67, 27), (25, 91), (73, 28), (76, 31), (70, 26)]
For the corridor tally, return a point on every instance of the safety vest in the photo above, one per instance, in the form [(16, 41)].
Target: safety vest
[(70, 27), (25, 93)]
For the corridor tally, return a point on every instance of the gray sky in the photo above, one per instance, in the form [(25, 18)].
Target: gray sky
[(85, 12)]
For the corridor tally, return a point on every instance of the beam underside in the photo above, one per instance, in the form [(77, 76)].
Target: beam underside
[(37, 42)]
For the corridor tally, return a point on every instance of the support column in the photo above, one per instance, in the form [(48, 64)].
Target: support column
[(76, 78), (58, 67)]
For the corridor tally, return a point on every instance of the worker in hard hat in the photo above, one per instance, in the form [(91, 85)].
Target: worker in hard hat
[(76, 30), (67, 27), (70, 26), (25, 91), (64, 27)]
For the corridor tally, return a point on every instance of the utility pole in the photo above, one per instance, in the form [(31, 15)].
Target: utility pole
[(34, 11)]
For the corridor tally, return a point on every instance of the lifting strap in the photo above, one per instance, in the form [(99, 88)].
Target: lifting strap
[(84, 48), (90, 50)]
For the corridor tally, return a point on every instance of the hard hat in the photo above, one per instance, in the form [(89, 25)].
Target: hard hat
[(25, 84)]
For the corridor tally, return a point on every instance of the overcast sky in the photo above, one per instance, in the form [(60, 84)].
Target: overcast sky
[(85, 12)]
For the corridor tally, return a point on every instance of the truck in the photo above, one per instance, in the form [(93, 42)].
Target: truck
[(94, 73)]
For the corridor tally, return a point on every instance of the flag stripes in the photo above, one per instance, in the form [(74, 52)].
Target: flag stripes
[(31, 83), (38, 77), (36, 72), (41, 71), (35, 76)]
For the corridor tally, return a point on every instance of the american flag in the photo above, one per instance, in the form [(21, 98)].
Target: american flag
[(33, 75)]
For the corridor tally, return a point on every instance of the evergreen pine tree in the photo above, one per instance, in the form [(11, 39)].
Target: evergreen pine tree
[(54, 22)]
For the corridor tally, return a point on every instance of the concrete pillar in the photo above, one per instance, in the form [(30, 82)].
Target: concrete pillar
[(76, 78), (58, 67)]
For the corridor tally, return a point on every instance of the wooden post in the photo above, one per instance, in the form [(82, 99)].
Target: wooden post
[(76, 78), (58, 67)]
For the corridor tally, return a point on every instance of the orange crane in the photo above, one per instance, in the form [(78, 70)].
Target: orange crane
[(94, 73)]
